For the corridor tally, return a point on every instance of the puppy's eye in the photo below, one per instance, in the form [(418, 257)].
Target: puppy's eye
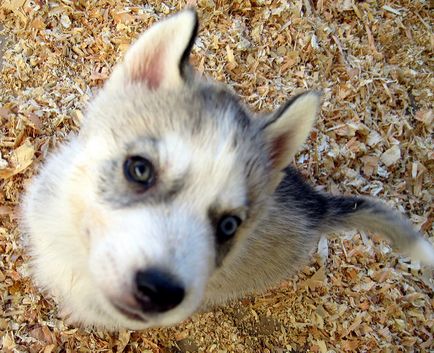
[(139, 170), (227, 227)]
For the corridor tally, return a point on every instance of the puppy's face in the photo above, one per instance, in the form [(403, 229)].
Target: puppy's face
[(167, 189), (167, 178)]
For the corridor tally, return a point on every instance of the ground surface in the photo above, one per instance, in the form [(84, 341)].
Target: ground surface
[(2, 45), (372, 61)]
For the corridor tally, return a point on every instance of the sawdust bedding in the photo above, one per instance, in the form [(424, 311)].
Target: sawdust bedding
[(374, 137)]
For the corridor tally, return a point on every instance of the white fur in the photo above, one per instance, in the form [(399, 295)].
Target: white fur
[(423, 251)]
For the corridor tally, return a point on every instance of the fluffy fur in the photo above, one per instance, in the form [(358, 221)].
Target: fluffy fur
[(90, 230)]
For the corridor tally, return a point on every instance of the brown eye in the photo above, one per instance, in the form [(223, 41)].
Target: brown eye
[(227, 227), (139, 170)]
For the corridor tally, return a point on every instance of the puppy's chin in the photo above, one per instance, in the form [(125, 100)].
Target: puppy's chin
[(119, 319), (109, 314)]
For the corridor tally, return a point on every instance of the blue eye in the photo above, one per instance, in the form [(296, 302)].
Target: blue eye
[(227, 227), (139, 170)]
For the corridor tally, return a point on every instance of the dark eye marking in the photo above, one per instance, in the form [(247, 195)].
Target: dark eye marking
[(139, 170), (227, 227)]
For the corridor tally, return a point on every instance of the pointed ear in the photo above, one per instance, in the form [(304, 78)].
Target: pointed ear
[(287, 129), (159, 58)]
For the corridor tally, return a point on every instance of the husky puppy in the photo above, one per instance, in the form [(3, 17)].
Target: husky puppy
[(174, 196)]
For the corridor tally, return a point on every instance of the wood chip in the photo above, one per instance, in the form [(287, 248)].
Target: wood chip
[(21, 158), (391, 156)]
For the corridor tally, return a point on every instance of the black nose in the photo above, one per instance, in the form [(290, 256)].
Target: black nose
[(157, 291)]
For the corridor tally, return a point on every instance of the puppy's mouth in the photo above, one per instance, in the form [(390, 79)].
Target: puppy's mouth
[(130, 313)]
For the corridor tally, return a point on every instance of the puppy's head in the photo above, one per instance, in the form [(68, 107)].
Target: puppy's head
[(169, 175)]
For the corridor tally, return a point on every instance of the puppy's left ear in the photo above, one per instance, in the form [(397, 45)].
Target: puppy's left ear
[(159, 58), (287, 129)]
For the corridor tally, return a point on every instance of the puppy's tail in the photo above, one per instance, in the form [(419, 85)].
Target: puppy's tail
[(373, 216)]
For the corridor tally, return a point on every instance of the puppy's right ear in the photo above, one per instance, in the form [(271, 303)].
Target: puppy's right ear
[(288, 128), (159, 57)]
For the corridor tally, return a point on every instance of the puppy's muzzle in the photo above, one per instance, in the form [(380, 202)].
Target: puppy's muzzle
[(155, 292)]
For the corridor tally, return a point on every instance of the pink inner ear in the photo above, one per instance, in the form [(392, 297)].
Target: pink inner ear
[(279, 148), (149, 69)]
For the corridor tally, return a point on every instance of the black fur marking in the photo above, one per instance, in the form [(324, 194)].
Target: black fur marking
[(314, 206), (344, 205), (222, 248), (186, 54), (295, 192), (222, 251)]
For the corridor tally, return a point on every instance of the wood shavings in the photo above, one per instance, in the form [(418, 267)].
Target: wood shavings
[(391, 156), (426, 117), (372, 62), (124, 338), (20, 159), (391, 9), (13, 5)]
